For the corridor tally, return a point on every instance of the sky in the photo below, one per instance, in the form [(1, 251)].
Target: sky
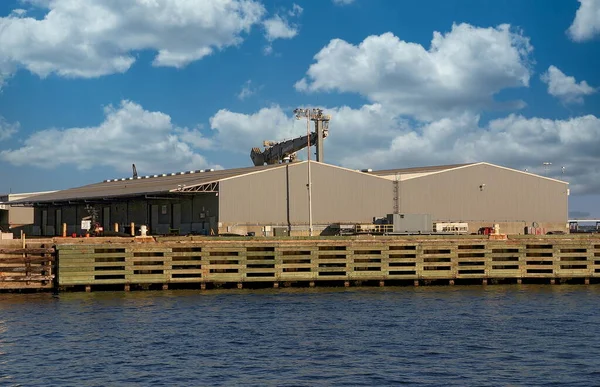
[(90, 87)]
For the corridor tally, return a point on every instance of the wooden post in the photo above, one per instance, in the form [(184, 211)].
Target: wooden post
[(88, 288), (311, 284), (552, 281), (451, 282), (519, 281), (347, 284), (275, 285), (586, 281), (165, 287), (203, 286), (64, 230), (240, 285), (381, 284), (132, 229), (416, 283), (484, 282), (116, 227), (127, 287)]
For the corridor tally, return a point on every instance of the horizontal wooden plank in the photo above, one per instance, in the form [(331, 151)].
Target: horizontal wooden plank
[(27, 250)]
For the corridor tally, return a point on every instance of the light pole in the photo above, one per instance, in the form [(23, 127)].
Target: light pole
[(299, 114), (546, 165)]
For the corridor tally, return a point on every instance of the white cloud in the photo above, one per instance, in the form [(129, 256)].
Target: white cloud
[(296, 10), (7, 129), (342, 2), (279, 28), (247, 90), (462, 70), (374, 137), (565, 87), (129, 134), (587, 21), (98, 37)]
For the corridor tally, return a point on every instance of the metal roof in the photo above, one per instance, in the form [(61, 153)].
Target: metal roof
[(142, 185), (403, 171)]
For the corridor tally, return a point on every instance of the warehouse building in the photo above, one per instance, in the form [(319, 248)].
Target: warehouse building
[(481, 195), (274, 200), (14, 219)]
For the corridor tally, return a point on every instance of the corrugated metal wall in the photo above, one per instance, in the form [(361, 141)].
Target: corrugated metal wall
[(508, 195), (338, 195)]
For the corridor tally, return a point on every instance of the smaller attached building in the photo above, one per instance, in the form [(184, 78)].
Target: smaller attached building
[(15, 219)]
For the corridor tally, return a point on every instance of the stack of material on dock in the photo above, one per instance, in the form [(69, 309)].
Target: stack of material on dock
[(26, 266)]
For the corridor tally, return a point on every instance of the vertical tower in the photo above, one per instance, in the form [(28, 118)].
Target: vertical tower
[(321, 129)]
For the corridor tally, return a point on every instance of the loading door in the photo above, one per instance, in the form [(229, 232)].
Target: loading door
[(106, 218), (176, 217), (154, 219)]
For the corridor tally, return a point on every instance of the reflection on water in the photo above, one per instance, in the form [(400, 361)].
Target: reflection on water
[(495, 335)]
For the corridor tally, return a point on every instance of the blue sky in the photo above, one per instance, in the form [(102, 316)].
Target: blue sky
[(90, 87)]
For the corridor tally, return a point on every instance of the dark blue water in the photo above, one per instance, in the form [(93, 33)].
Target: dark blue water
[(427, 336)]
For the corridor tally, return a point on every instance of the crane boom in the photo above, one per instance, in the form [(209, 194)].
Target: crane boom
[(277, 152)]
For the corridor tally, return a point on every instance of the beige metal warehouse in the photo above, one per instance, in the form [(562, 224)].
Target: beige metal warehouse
[(273, 199), (482, 194)]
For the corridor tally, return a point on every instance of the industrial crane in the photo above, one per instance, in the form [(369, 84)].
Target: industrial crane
[(279, 152)]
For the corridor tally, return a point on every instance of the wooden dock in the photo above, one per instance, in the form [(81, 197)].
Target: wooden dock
[(27, 265), (201, 262)]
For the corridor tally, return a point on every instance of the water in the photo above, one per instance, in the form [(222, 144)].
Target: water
[(427, 336)]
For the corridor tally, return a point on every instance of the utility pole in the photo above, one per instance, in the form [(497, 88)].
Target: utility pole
[(307, 114)]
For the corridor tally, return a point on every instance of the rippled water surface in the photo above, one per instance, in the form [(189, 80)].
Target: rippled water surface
[(495, 335)]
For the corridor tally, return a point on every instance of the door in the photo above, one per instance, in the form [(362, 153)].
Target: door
[(154, 219), (176, 217), (44, 222), (106, 218), (58, 225)]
